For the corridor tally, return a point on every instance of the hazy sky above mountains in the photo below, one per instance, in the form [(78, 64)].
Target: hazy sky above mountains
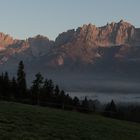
[(25, 18)]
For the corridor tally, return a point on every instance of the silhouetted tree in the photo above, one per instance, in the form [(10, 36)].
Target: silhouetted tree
[(6, 77), (50, 87), (1, 82), (56, 90), (14, 89), (1, 86), (62, 98), (76, 102), (21, 81), (111, 110), (68, 100), (44, 94), (85, 105), (36, 88), (6, 86), (56, 94)]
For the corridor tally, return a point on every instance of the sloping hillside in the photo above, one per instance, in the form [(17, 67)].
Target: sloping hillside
[(25, 122)]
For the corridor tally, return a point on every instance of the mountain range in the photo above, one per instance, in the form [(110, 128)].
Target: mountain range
[(88, 52)]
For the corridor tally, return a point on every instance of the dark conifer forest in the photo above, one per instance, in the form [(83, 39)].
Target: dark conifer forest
[(43, 92)]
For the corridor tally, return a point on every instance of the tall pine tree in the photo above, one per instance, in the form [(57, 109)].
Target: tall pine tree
[(21, 80), (36, 89)]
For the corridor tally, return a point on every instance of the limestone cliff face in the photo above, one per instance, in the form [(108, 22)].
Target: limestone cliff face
[(5, 40), (111, 34), (29, 48), (85, 45), (82, 44), (39, 45)]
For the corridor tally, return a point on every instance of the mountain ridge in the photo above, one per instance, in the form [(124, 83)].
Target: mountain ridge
[(114, 46)]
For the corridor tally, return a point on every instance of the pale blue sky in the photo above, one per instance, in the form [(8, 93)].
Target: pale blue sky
[(25, 18)]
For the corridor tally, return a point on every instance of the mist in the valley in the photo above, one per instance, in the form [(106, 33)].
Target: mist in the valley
[(99, 87)]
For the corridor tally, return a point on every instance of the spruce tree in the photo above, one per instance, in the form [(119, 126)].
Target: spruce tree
[(76, 101), (45, 94), (6, 86), (14, 89), (57, 90), (111, 109), (62, 98), (36, 88), (21, 80), (85, 104)]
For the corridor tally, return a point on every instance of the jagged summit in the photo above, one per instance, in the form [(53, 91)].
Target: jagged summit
[(108, 35), (85, 45), (5, 40)]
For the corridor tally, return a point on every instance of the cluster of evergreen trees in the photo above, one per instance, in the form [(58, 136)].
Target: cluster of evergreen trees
[(129, 112), (42, 92), (13, 89)]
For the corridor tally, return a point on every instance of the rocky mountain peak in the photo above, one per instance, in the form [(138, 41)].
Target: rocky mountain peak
[(5, 40), (111, 34), (81, 45), (65, 37), (39, 45), (40, 37)]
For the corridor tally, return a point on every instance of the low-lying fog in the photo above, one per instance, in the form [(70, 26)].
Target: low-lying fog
[(103, 88), (121, 88), (107, 97)]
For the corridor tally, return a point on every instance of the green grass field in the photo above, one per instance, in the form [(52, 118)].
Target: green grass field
[(25, 122)]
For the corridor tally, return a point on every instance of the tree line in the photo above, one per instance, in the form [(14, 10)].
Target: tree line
[(42, 92), (129, 112)]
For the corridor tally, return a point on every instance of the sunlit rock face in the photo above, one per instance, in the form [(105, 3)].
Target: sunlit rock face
[(31, 47), (82, 45), (5, 41), (39, 45), (87, 45), (108, 35)]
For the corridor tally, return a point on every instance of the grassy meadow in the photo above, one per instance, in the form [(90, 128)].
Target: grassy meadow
[(26, 122)]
